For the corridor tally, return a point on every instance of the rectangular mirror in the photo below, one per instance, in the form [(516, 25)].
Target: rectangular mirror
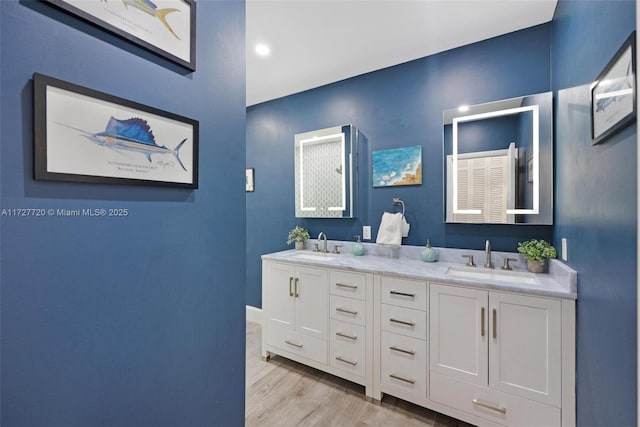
[(498, 162), (325, 173)]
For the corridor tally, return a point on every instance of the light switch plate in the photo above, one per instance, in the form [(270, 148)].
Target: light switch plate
[(564, 249), (366, 232)]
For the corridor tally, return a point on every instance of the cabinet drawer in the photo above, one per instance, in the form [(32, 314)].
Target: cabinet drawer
[(404, 367), (302, 345), (491, 404), (404, 293), (346, 284), (347, 347), (404, 321), (348, 309)]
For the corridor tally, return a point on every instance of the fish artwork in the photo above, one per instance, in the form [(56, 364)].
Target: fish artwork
[(132, 134), (150, 8), (619, 87)]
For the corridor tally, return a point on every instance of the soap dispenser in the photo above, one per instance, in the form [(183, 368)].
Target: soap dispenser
[(429, 254), (358, 249)]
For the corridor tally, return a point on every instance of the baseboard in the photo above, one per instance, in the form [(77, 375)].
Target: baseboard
[(254, 314)]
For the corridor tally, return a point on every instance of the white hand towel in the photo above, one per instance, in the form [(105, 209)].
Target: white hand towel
[(405, 227), (391, 228)]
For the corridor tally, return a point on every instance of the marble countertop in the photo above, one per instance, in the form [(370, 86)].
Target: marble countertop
[(404, 261)]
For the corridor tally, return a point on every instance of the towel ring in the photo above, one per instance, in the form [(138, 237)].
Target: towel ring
[(398, 201)]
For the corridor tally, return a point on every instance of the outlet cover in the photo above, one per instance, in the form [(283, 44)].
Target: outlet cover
[(366, 232), (564, 249)]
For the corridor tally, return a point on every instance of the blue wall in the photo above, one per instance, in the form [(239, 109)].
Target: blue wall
[(596, 210), (132, 321), (395, 107)]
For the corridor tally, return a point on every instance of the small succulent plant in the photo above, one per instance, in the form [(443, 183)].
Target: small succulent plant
[(298, 234), (537, 250)]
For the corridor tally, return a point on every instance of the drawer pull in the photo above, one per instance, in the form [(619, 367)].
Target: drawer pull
[(347, 361), (482, 322), (402, 322), (402, 294), (343, 335), (343, 285), (290, 288), (402, 350), (406, 380), (296, 287), (344, 310), (493, 408), (294, 344), (495, 324)]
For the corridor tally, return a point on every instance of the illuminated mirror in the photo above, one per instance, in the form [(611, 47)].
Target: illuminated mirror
[(325, 176), (498, 164)]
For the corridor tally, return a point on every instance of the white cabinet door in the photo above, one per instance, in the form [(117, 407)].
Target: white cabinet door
[(458, 333), (525, 345), (311, 292), (280, 299)]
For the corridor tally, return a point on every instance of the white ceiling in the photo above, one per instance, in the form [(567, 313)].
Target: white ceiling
[(316, 42)]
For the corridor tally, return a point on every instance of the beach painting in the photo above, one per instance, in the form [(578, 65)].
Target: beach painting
[(398, 166)]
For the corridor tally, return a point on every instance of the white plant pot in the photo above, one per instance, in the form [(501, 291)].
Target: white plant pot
[(299, 245)]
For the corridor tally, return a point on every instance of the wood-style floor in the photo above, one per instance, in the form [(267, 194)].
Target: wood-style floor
[(285, 393)]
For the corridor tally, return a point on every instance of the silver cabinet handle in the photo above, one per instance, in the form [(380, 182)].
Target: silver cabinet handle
[(344, 310), (344, 285), (493, 408), (402, 350), (347, 361), (290, 283), (294, 344), (495, 325), (482, 322), (403, 294), (343, 335), (406, 380), (402, 322), (296, 287)]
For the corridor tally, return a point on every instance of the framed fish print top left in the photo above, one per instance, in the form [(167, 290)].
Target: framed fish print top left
[(165, 27), (82, 135)]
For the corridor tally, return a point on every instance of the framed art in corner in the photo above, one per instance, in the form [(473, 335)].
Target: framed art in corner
[(82, 135), (165, 27), (250, 180), (613, 94)]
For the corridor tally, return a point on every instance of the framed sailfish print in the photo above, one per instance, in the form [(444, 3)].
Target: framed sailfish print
[(165, 27), (82, 135)]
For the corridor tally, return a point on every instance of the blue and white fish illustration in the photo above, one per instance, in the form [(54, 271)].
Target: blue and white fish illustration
[(147, 6), (132, 134), (622, 86)]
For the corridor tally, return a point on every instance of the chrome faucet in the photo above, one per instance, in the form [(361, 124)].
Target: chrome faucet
[(323, 236), (487, 250)]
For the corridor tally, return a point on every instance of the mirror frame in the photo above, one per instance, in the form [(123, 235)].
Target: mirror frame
[(348, 135), (542, 211)]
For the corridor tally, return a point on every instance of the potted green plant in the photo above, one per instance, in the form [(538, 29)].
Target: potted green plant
[(298, 235), (537, 252)]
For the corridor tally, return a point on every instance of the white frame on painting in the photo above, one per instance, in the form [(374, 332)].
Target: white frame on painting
[(82, 135), (613, 94), (165, 27)]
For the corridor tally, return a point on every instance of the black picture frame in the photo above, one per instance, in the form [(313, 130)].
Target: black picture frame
[(613, 93), (143, 25), (83, 135)]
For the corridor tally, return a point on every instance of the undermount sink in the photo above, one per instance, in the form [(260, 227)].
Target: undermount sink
[(314, 256), (498, 275)]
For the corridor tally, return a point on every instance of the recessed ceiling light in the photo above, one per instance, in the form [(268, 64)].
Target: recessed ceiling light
[(262, 49), (463, 108)]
